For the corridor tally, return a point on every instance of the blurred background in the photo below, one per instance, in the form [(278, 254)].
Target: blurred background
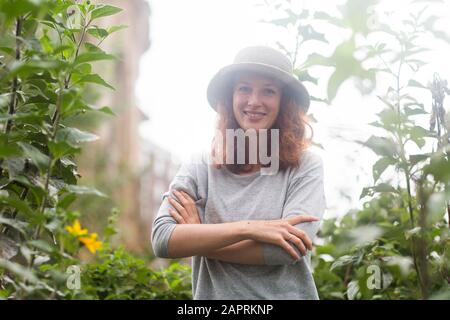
[(168, 54)]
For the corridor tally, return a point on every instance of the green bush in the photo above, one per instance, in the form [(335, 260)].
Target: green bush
[(397, 245), (45, 66)]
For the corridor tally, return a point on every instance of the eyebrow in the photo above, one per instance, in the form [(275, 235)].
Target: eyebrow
[(268, 84)]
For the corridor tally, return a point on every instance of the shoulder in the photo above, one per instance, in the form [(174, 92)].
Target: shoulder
[(195, 166), (310, 163)]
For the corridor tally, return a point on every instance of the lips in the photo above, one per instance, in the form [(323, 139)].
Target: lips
[(254, 115)]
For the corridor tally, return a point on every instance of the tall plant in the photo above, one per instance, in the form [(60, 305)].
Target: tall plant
[(397, 245), (45, 63)]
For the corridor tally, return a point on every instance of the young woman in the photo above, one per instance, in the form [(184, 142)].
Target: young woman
[(250, 234)]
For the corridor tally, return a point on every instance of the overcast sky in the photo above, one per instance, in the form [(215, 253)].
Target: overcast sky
[(191, 40)]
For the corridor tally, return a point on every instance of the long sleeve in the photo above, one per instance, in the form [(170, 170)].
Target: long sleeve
[(306, 196), (164, 224)]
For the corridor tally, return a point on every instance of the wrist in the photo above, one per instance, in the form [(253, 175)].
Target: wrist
[(243, 229)]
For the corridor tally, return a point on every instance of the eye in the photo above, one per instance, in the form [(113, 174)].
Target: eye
[(244, 89), (269, 91)]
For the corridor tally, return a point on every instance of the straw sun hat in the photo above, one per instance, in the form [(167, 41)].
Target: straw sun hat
[(264, 60)]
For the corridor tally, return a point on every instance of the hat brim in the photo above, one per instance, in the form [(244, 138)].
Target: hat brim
[(222, 79)]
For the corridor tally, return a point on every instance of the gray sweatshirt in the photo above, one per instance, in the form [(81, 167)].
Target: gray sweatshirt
[(222, 196)]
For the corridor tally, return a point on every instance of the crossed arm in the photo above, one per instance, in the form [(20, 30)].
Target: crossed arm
[(235, 242)]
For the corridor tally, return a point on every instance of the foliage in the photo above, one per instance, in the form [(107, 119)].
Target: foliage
[(396, 247), (118, 275), (47, 49)]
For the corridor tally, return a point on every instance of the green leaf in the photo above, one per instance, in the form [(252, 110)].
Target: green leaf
[(303, 75), (97, 32), (416, 158), (107, 110), (67, 201), (390, 118), (29, 118), (335, 81), (8, 247), (380, 188), (9, 151), (414, 83), (412, 232), (84, 68), (410, 111), (308, 33), (346, 66), (24, 273), (343, 261), (352, 289), (380, 166), (103, 11), (26, 68), (382, 146), (320, 15), (37, 157), (90, 47), (74, 136), (313, 98), (21, 205), (61, 148), (317, 59), (439, 167), (20, 226), (282, 22), (117, 28), (95, 78), (417, 134), (93, 56), (437, 208), (41, 245), (84, 190)]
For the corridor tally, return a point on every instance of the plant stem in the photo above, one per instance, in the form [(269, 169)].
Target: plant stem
[(15, 82), (23, 195), (13, 101), (55, 122), (83, 33), (421, 244), (407, 172)]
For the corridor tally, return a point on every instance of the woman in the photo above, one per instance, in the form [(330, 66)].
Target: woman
[(250, 234)]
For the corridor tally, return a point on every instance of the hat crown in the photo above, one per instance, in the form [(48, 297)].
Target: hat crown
[(264, 55)]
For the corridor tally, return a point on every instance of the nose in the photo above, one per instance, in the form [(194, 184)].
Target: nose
[(254, 99)]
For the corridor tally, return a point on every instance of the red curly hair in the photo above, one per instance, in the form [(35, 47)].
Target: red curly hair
[(291, 123)]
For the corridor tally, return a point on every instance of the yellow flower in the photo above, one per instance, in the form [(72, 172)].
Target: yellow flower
[(76, 230), (91, 242)]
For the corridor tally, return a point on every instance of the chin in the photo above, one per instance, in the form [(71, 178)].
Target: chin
[(255, 127)]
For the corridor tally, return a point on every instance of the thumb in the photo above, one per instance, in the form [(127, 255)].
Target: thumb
[(293, 220)]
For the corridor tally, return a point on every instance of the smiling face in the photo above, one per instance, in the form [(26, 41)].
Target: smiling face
[(256, 101)]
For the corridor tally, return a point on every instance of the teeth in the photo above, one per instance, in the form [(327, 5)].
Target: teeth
[(254, 113)]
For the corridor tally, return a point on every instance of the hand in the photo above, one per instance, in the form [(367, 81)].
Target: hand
[(185, 209), (281, 232)]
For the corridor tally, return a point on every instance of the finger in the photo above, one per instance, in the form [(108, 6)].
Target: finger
[(301, 218), (178, 218), (178, 207), (299, 243), (188, 197), (300, 234), (287, 246), (180, 197), (188, 203)]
